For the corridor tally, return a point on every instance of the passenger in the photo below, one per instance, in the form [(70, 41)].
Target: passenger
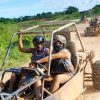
[(61, 66), (39, 51)]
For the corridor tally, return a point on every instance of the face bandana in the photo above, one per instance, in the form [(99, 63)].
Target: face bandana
[(57, 47)]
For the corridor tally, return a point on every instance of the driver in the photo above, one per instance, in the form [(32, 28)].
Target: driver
[(61, 66)]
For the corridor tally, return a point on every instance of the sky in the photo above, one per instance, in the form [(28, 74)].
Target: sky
[(18, 8)]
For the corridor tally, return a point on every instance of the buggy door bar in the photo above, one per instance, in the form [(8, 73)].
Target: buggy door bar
[(58, 30), (30, 28), (79, 37)]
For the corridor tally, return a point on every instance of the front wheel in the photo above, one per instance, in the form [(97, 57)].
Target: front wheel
[(96, 74)]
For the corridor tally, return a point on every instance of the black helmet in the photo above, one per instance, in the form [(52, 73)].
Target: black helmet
[(38, 39)]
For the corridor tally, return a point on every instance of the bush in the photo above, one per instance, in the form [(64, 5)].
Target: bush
[(15, 57)]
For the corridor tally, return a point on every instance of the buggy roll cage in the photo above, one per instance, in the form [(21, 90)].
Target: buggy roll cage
[(6, 96), (41, 26)]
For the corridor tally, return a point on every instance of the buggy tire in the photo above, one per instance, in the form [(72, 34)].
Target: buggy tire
[(96, 74)]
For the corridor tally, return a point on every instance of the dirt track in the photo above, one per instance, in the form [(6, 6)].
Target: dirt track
[(90, 43)]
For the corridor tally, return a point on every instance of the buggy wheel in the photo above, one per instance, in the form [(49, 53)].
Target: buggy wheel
[(96, 75)]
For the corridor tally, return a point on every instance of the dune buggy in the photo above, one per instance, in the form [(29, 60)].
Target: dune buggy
[(68, 91)]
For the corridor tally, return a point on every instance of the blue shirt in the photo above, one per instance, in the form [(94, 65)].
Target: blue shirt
[(37, 55)]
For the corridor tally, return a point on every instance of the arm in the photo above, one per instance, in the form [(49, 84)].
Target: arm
[(20, 45), (62, 54)]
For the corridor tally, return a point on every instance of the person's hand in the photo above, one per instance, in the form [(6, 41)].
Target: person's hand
[(31, 65), (35, 63), (19, 33)]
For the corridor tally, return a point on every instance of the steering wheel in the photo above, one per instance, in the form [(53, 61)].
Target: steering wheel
[(39, 65), (40, 68)]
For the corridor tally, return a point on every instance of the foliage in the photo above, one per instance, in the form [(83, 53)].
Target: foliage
[(75, 15), (6, 20), (71, 10), (15, 57), (96, 9), (44, 15)]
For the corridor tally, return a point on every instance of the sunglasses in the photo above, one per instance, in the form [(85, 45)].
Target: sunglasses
[(56, 42)]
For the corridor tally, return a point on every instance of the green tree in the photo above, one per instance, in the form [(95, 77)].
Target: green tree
[(71, 10), (38, 16), (96, 9)]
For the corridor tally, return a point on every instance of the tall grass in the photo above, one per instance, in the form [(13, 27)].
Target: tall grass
[(15, 57)]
